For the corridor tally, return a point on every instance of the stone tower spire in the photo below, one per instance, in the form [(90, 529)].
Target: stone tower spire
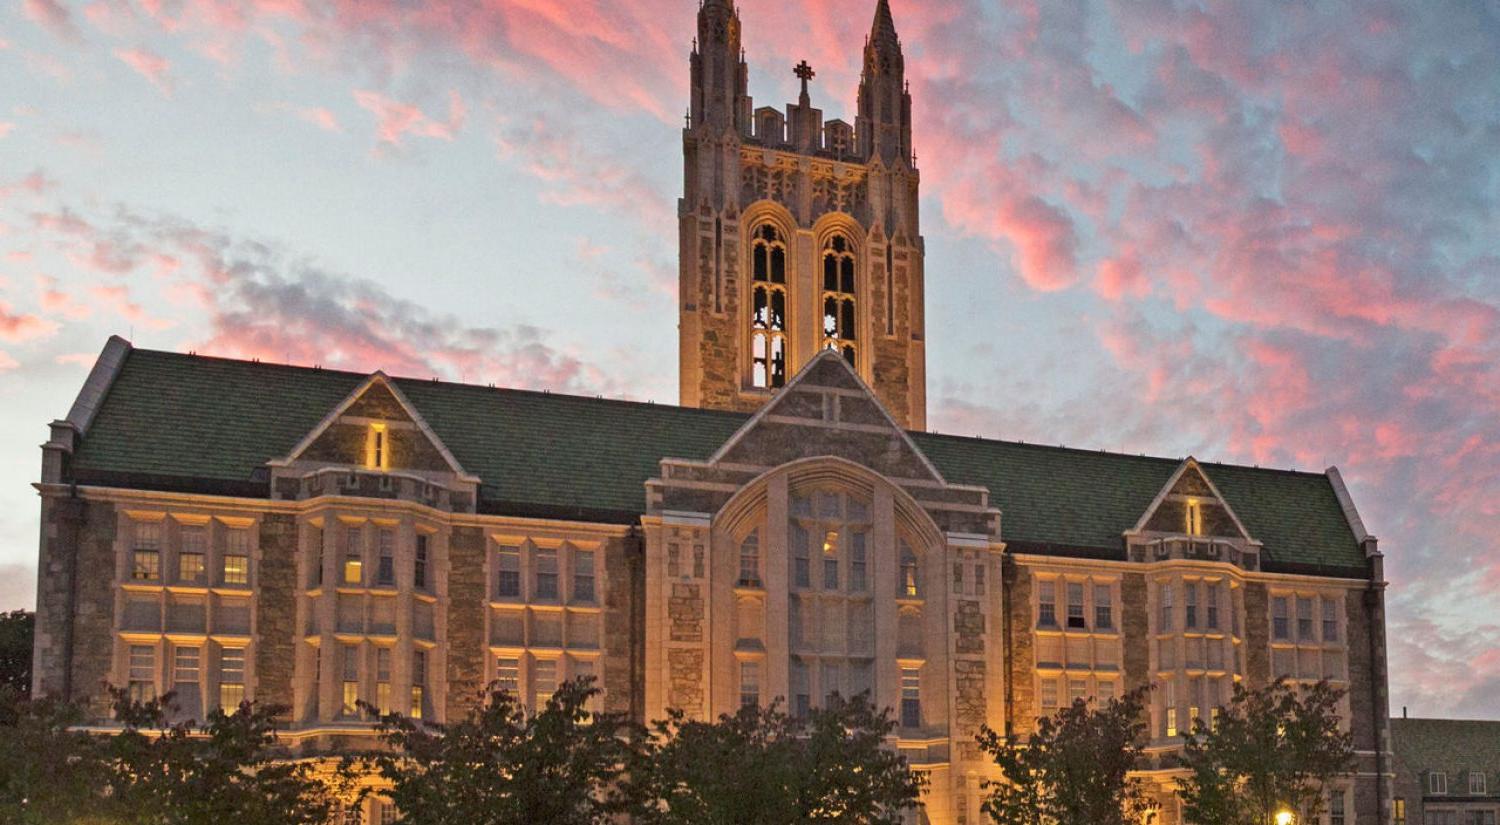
[(719, 75), (798, 234), (884, 124)]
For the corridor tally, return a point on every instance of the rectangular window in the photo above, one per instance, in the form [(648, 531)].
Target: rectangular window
[(508, 675), (315, 560), (1106, 690), (1190, 605), (546, 574), (1330, 621), (910, 583), (508, 584), (1336, 808), (145, 556), (236, 569), (1076, 619), (1170, 705), (1195, 699), (1166, 609), (1476, 783), (749, 684), (231, 677), (377, 448), (190, 555), (801, 689), (1194, 517), (1437, 783), (831, 560), (958, 578), (388, 812), (349, 680), (1400, 812), (419, 567), (750, 560), (190, 567), (385, 568), (1304, 619), (418, 684), (543, 682), (911, 697), (583, 576), (831, 682), (1049, 696), (979, 579), (1104, 612), (383, 679), (142, 675), (1046, 613), (1280, 619), (185, 665), (1078, 690), (801, 564), (1211, 605), (354, 564), (858, 575)]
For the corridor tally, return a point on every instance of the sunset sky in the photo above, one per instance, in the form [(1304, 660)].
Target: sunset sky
[(1261, 232)]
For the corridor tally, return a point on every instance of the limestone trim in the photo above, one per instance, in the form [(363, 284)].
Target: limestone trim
[(802, 377), (387, 508), (1346, 503), (1289, 579), (379, 378)]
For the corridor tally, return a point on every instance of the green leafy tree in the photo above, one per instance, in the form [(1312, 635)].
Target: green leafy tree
[(1271, 749), (48, 773), (155, 773), (17, 629), (1075, 768), (763, 767), (227, 770), (503, 766)]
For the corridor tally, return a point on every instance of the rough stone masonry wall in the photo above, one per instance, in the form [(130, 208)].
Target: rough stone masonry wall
[(1021, 710), (719, 342), (1257, 636), (623, 633), (276, 610), (891, 357), (685, 615), (465, 644), (69, 526), (1135, 625), (969, 671)]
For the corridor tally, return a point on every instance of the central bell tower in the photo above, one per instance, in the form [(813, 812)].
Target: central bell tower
[(798, 235)]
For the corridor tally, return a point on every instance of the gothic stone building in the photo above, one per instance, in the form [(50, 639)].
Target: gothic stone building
[(233, 530)]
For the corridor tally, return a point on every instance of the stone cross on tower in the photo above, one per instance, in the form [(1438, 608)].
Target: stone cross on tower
[(806, 73)]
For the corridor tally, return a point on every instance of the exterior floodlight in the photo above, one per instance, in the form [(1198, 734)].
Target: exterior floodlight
[(1284, 817)]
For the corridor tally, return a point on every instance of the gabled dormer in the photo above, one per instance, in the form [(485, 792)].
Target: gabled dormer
[(1190, 520), (375, 444)]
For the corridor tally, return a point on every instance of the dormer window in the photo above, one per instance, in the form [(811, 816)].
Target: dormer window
[(378, 448), (1194, 517)]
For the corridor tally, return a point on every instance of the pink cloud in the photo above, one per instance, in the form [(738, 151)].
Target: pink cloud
[(6, 127), (53, 300), (148, 64), (396, 119), (7, 363), (52, 16), (16, 328), (1121, 277), (77, 359)]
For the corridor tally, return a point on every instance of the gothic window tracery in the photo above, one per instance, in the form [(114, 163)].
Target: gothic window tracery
[(768, 321), (839, 309)]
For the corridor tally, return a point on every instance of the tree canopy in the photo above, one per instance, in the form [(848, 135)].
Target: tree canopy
[(1270, 749), (761, 766), (1074, 768)]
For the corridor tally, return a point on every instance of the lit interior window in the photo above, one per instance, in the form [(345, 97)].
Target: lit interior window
[(378, 448)]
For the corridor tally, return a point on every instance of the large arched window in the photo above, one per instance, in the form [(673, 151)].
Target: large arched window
[(768, 321), (838, 298)]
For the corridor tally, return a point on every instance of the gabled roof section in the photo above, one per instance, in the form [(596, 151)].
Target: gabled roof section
[(830, 402), (378, 384), (1454, 746), (185, 423), (1189, 481)]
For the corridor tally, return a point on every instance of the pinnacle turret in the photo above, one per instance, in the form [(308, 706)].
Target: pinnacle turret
[(883, 31)]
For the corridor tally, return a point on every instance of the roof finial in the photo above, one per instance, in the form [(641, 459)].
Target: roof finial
[(806, 73), (884, 29)]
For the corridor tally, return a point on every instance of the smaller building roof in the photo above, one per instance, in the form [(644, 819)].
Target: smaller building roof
[(1454, 746)]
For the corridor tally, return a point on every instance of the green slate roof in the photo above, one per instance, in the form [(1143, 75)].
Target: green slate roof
[(1453, 746), (184, 422)]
